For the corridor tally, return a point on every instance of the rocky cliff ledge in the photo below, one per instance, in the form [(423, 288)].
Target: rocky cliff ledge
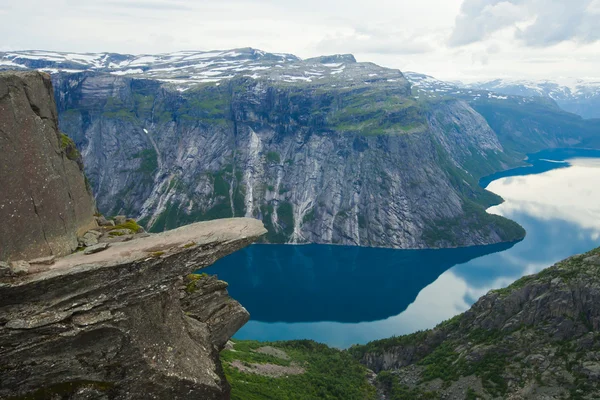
[(126, 318), (537, 339), (125, 323), (45, 202)]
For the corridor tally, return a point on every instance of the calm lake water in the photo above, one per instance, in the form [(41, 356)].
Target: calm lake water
[(344, 295)]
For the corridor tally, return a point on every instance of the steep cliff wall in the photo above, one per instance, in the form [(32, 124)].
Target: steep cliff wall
[(44, 202), (358, 165), (537, 339)]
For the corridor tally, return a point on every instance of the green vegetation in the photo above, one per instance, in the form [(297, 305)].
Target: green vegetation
[(175, 216), (129, 224), (273, 157), (309, 216), (538, 123), (191, 286), (68, 145), (223, 180), (475, 218), (329, 373), (285, 219), (148, 164), (383, 345), (208, 104), (373, 112), (114, 108), (221, 186)]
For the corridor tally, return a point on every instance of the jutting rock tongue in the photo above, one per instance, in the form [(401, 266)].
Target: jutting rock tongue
[(126, 318), (44, 200)]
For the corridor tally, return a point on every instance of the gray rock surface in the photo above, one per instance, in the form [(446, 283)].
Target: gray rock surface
[(205, 298), (96, 248), (20, 267), (114, 325), (90, 238), (45, 203), (43, 260), (344, 157)]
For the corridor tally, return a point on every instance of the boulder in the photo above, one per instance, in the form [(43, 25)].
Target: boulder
[(594, 260), (90, 238), (120, 232), (96, 249), (102, 221), (20, 267)]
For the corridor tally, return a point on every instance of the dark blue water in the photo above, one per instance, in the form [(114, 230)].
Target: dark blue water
[(345, 295)]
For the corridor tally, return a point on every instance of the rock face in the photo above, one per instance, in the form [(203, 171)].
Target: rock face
[(324, 150), (45, 202), (124, 323), (537, 339)]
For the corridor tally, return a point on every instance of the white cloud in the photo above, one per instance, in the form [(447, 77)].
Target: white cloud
[(546, 22), (450, 39)]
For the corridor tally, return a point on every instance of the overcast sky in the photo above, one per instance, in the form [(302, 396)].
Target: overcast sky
[(450, 39)]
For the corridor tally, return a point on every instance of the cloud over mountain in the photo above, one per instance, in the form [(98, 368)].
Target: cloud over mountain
[(536, 23)]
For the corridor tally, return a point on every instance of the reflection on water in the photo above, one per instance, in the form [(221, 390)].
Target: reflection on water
[(335, 283), (345, 295)]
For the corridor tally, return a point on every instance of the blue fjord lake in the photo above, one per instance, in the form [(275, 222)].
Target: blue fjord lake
[(342, 295)]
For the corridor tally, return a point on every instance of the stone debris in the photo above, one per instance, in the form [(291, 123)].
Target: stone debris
[(96, 249), (120, 219), (20, 267), (270, 370), (102, 221), (594, 260), (272, 351), (5, 270), (43, 260), (229, 346), (90, 238)]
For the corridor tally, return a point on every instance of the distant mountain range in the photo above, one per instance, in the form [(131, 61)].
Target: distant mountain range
[(578, 96), (186, 68)]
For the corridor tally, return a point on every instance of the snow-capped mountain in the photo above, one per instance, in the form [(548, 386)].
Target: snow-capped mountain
[(430, 87), (187, 68), (579, 96)]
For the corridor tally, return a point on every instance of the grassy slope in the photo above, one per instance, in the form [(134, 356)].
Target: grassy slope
[(330, 373)]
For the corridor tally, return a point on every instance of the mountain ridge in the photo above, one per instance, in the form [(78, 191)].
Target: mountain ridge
[(300, 144)]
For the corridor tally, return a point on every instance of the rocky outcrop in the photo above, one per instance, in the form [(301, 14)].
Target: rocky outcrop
[(125, 318), (45, 202), (537, 339), (205, 298), (124, 323)]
